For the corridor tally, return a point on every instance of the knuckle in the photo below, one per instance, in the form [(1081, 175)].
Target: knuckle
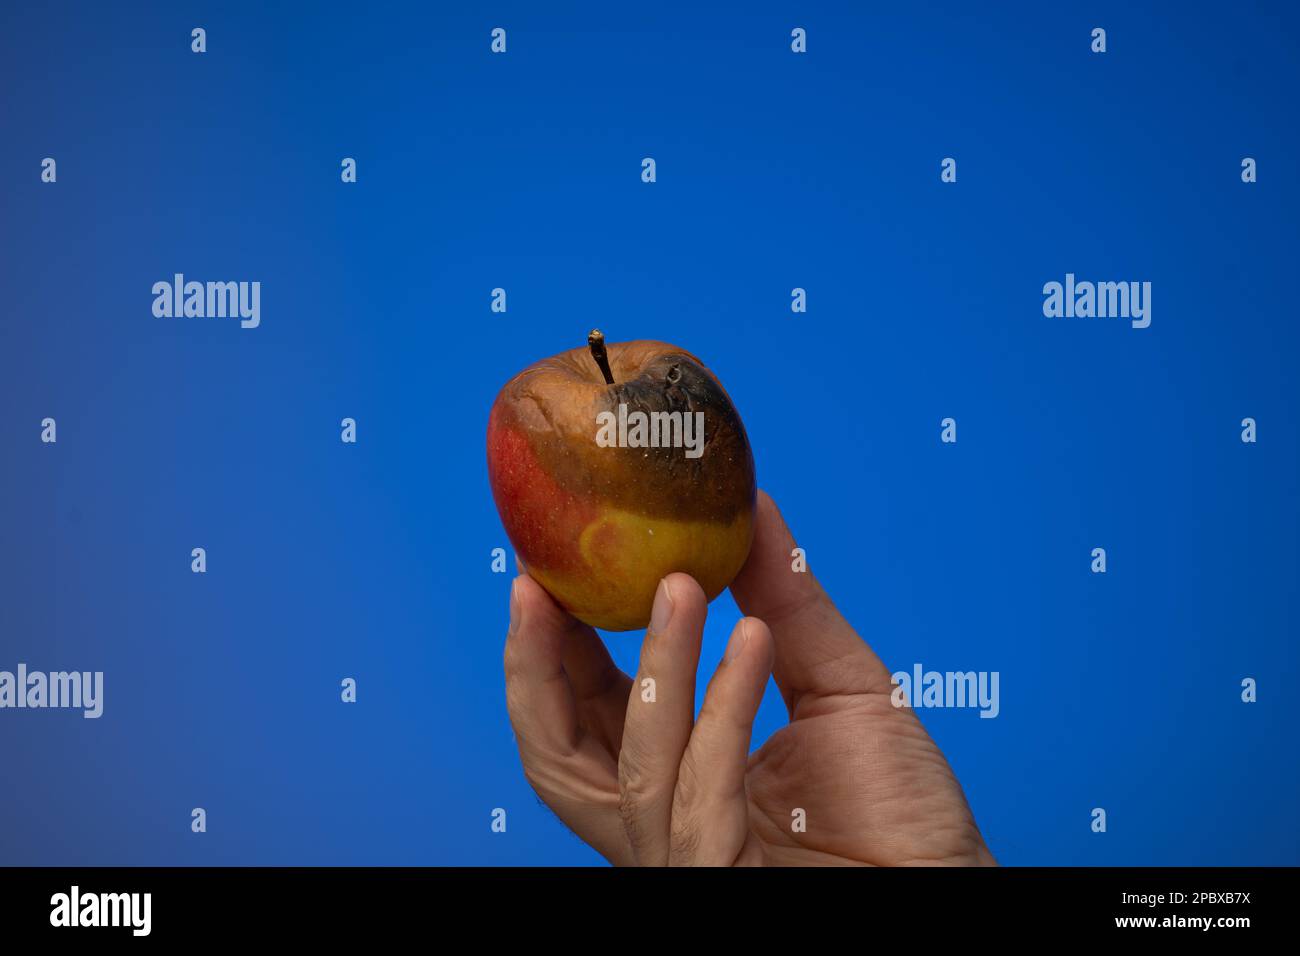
[(683, 840), (510, 662), (685, 834), (687, 792), (632, 784), (631, 825), (640, 792), (514, 699)]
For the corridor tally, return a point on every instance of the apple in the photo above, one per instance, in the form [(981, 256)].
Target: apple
[(615, 466)]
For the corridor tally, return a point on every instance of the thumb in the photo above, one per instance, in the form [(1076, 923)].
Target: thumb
[(817, 652)]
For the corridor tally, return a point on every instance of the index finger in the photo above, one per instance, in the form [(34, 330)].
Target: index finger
[(541, 701)]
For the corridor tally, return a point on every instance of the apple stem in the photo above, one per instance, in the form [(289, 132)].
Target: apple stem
[(596, 342)]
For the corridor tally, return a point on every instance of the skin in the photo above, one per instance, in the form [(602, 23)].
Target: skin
[(652, 784)]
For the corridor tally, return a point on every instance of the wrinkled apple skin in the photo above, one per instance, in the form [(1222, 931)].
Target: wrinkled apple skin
[(598, 527)]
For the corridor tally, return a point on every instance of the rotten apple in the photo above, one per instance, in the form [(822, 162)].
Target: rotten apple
[(614, 466)]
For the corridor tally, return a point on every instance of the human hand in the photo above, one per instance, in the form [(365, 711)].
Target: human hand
[(646, 782)]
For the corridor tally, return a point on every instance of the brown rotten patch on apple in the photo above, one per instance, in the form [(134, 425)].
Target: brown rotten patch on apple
[(648, 377), (598, 526)]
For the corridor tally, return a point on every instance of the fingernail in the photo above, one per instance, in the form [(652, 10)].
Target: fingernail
[(514, 606), (739, 638), (662, 611)]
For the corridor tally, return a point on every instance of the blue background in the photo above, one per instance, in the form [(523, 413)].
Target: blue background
[(372, 560)]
